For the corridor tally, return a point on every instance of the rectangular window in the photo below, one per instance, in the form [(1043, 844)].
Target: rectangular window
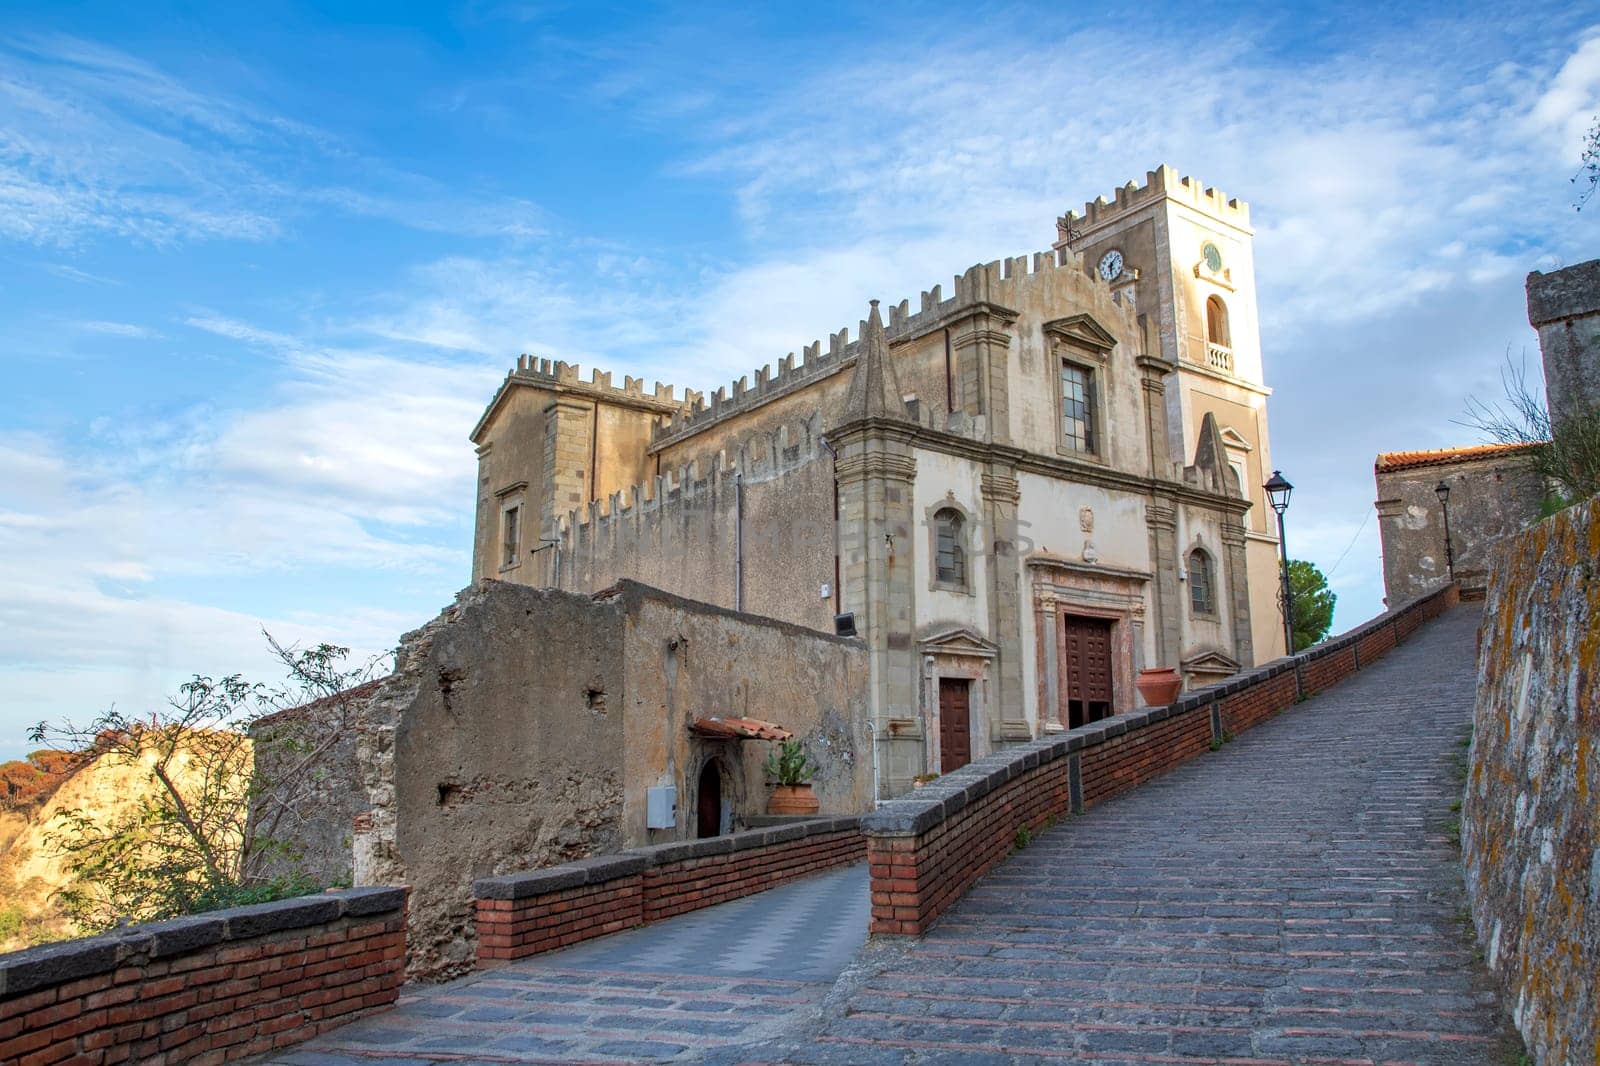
[(512, 540), (1077, 407)]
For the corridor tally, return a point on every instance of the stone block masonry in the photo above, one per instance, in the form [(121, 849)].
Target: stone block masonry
[(209, 988), (925, 851), (1530, 820), (524, 914)]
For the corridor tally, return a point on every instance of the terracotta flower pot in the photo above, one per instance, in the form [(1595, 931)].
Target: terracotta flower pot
[(792, 799), (1159, 685)]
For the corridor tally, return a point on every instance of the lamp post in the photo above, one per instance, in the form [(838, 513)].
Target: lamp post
[(1442, 491), (1278, 490)]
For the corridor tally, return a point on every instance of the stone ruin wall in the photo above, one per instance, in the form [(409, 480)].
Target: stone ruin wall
[(522, 726), (487, 752), (1530, 824)]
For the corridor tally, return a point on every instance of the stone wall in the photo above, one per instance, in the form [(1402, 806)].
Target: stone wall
[(1530, 824), (1564, 306), (523, 728), (1494, 493), (208, 988), (312, 821)]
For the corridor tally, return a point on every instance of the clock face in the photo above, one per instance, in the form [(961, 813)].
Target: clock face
[(1111, 265), (1213, 257)]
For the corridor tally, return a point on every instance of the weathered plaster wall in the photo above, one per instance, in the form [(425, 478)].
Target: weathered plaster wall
[(494, 747), (686, 660), (522, 727), (1489, 499), (1530, 823)]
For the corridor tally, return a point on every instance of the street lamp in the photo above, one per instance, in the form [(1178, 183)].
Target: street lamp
[(1442, 491), (1278, 490)]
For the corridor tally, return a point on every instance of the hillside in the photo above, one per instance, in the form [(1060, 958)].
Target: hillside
[(30, 872)]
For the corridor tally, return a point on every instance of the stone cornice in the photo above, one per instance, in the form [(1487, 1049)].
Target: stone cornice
[(1066, 469)]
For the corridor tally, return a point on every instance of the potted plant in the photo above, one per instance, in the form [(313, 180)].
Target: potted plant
[(1159, 685), (793, 770)]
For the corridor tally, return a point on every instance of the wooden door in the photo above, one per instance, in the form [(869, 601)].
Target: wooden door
[(955, 724), (1086, 652)]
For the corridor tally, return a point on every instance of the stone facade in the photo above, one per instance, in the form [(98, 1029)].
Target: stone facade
[(524, 727), (1494, 492), (1041, 457), (1530, 821), (1564, 306)]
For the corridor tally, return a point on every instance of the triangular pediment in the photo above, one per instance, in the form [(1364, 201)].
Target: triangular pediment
[(1211, 662), (958, 641), (1232, 438), (1083, 331)]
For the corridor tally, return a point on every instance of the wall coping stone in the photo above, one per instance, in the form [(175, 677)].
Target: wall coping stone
[(915, 814), (51, 964), (526, 884)]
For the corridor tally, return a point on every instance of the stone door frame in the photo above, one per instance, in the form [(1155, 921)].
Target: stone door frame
[(958, 653), (1065, 586)]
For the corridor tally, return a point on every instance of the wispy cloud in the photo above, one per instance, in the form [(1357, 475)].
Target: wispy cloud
[(100, 143), (118, 329)]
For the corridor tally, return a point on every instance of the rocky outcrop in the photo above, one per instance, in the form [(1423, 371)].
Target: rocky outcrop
[(1531, 816)]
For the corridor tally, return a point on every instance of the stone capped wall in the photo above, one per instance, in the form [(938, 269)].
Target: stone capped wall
[(1531, 816)]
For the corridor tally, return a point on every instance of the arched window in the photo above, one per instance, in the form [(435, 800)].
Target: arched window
[(1202, 583), (1217, 322), (949, 550)]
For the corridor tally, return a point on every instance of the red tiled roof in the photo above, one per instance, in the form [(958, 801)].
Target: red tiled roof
[(1442, 456), (738, 729)]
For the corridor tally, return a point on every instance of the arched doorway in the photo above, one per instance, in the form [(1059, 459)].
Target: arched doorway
[(708, 801)]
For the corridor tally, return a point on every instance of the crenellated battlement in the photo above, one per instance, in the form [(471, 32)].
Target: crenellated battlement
[(1162, 182), (761, 457), (569, 376), (983, 283)]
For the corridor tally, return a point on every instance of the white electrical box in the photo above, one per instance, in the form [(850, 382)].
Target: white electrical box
[(826, 591), (661, 807)]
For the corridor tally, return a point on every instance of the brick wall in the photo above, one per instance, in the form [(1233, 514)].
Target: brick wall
[(527, 913), (927, 849), (208, 988)]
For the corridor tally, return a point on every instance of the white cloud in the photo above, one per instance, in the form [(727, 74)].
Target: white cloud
[(119, 329)]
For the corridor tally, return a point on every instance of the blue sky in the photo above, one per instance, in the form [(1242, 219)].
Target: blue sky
[(261, 268)]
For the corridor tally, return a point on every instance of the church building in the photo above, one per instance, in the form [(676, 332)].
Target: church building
[(1019, 493)]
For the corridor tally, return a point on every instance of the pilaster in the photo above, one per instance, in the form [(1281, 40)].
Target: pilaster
[(568, 427), (1161, 519), (1001, 494), (982, 348), (876, 469), (1233, 541)]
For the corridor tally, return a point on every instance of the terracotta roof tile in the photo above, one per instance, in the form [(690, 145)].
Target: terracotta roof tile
[(738, 729), (1440, 456)]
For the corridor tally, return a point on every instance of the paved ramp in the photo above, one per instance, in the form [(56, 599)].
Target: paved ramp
[(1293, 898), (733, 974)]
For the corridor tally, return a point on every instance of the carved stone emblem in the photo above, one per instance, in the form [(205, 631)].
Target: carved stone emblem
[(1086, 519)]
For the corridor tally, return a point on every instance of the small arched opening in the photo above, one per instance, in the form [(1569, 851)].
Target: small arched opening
[(708, 801), (1217, 322)]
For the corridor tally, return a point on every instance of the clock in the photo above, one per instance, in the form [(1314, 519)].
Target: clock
[(1212, 256), (1111, 265)]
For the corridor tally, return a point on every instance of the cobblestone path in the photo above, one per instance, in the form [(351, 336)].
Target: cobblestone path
[(733, 974), (1292, 898)]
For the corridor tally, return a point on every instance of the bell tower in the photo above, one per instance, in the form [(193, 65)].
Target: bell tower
[(1184, 253)]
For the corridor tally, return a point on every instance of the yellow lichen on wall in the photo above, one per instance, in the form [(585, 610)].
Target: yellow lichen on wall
[(1529, 819)]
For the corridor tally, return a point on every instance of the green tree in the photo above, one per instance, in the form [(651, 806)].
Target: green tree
[(1313, 603), (206, 835)]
